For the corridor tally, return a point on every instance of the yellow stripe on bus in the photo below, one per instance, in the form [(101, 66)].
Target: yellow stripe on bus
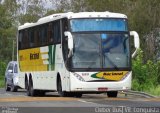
[(31, 60)]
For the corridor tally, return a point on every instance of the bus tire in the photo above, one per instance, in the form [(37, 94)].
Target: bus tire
[(78, 95), (40, 93), (26, 82), (59, 88), (30, 90), (27, 87), (112, 93)]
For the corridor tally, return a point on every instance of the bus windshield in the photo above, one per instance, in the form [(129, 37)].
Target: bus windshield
[(101, 51), (79, 25), (100, 44)]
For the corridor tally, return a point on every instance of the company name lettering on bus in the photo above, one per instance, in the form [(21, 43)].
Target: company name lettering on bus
[(34, 56), (113, 73)]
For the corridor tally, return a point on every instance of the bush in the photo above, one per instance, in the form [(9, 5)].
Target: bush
[(2, 73), (146, 76), (2, 68), (155, 91)]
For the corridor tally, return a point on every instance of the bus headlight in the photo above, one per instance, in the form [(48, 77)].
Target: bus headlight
[(78, 77), (127, 74)]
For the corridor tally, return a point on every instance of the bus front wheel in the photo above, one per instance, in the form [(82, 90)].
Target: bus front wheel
[(59, 89), (112, 93)]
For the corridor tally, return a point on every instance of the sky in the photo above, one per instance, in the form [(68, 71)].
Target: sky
[(48, 4)]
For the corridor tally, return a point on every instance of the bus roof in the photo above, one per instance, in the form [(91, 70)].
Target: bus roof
[(71, 15)]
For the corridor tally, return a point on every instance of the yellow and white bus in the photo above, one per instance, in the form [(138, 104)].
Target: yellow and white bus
[(76, 53)]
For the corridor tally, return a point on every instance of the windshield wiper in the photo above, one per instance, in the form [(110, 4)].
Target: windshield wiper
[(111, 62), (90, 66)]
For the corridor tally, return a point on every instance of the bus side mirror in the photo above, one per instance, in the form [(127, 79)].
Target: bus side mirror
[(136, 42), (70, 42)]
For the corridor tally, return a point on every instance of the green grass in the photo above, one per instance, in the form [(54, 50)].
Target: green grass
[(155, 91), (1, 81)]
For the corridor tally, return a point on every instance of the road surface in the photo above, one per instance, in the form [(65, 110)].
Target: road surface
[(18, 102)]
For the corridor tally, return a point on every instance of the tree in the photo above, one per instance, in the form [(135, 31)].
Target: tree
[(143, 15), (31, 10), (6, 31)]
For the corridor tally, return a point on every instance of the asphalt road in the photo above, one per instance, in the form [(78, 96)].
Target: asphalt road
[(18, 102)]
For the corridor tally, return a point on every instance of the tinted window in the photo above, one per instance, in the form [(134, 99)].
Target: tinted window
[(56, 32), (98, 24), (41, 35), (31, 38), (20, 39)]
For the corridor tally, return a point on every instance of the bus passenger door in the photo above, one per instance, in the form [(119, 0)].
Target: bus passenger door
[(65, 51)]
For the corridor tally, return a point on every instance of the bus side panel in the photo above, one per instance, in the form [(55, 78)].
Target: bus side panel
[(21, 79), (40, 64)]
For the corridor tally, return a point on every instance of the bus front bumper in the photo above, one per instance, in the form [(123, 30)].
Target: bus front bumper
[(80, 86)]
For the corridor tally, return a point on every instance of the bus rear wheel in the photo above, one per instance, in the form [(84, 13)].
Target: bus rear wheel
[(78, 95), (30, 90), (112, 93)]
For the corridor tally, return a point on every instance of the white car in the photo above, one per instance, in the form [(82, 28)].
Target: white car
[(11, 77)]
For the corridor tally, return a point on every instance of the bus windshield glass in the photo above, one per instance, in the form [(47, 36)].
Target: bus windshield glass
[(100, 44), (80, 25), (101, 51)]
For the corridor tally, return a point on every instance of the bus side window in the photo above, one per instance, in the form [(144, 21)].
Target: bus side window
[(26, 38), (56, 32), (65, 25), (20, 39), (36, 37), (24, 43), (40, 36), (31, 38), (45, 40), (50, 33)]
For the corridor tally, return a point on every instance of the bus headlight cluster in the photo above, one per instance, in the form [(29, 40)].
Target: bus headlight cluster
[(78, 77), (127, 74)]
